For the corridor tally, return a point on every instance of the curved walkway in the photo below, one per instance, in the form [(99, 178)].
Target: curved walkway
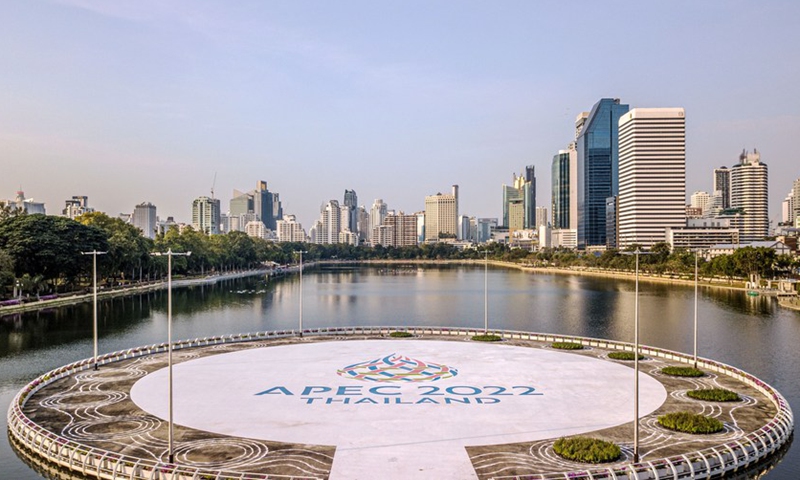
[(259, 405)]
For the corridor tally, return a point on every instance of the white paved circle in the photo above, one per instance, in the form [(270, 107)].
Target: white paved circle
[(501, 394)]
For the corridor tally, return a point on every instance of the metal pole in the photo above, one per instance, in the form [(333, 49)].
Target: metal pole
[(486, 292), (94, 254), (636, 367), (94, 299), (696, 282), (169, 255), (301, 294), (169, 347)]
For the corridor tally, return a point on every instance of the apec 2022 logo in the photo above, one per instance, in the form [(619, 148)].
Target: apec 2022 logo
[(399, 371)]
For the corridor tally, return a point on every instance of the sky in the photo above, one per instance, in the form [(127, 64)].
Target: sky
[(160, 101)]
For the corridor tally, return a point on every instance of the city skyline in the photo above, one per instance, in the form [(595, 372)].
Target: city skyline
[(135, 102)]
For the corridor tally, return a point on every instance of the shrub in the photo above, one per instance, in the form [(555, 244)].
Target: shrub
[(586, 450), (567, 346), (688, 422), (400, 335), (714, 395), (487, 338), (624, 356), (682, 372)]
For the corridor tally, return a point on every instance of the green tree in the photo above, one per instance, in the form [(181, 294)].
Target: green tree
[(49, 246), (128, 251)]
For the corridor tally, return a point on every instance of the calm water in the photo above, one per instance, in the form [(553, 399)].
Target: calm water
[(750, 333)]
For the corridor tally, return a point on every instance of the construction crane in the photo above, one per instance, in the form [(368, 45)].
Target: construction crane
[(213, 184)]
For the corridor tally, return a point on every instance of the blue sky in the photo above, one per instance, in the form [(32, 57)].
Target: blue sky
[(144, 100)]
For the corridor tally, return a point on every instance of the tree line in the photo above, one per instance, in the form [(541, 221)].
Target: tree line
[(42, 255)]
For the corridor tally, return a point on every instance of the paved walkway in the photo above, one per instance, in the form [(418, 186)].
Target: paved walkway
[(397, 416)]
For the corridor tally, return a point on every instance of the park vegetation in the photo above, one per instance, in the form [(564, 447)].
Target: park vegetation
[(682, 371), (688, 422), (401, 335), (586, 449), (42, 255), (714, 395), (487, 338), (627, 356), (567, 346)]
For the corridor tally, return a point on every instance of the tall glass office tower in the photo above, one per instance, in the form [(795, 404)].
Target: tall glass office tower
[(560, 190), (598, 169)]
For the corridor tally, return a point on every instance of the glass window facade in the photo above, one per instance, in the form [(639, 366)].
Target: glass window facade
[(598, 169), (560, 190)]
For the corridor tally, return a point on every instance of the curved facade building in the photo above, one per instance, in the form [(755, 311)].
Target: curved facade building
[(750, 192)]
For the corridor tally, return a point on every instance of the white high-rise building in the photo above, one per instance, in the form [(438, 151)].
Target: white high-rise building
[(289, 230), (441, 216), (701, 200), (206, 215), (377, 213), (144, 218), (750, 192), (787, 209), (652, 174), (330, 222), (76, 206), (541, 216), (796, 200)]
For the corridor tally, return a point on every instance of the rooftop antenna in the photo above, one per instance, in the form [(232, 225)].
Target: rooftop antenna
[(213, 184)]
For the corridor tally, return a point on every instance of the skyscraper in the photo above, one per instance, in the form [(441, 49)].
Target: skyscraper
[(750, 192), (722, 184), (377, 213), (441, 216), (400, 230), (144, 218), (796, 201), (351, 201), (263, 204), (529, 197), (652, 175), (522, 195), (330, 223), (541, 217), (598, 168), (564, 175), (205, 215)]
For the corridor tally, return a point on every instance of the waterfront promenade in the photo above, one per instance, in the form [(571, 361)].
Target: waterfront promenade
[(136, 289)]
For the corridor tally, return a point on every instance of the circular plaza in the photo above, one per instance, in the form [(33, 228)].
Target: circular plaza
[(357, 403)]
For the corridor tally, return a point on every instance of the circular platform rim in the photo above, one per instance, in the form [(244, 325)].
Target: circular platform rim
[(753, 448)]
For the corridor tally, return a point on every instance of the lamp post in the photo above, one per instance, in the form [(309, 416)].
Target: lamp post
[(636, 253), (486, 292), (696, 284), (169, 254), (94, 254), (301, 252)]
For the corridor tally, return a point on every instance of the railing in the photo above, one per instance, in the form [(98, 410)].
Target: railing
[(102, 464)]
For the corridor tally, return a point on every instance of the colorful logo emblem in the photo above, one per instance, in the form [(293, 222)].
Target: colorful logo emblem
[(397, 368)]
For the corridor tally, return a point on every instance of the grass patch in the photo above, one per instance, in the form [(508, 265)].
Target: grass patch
[(487, 338), (586, 450), (682, 372), (688, 422), (400, 335), (714, 395), (624, 356), (567, 346)]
